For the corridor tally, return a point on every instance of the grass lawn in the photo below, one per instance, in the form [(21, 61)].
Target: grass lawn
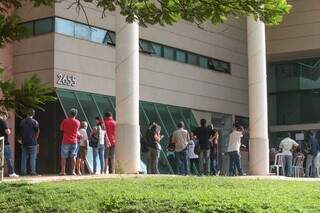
[(162, 194)]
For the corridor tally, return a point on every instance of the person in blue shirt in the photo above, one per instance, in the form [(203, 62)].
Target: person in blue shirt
[(313, 145)]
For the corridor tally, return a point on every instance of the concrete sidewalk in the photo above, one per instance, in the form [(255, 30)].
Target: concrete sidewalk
[(54, 178)]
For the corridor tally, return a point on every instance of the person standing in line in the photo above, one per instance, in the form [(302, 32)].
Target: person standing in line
[(29, 130), (99, 133), (193, 158), (110, 158), (70, 128), (181, 138), (82, 148), (312, 154), (234, 151), (286, 145), (214, 138), (5, 131), (153, 137), (203, 134)]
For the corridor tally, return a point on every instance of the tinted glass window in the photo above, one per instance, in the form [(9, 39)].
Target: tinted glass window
[(203, 62), (146, 46), (193, 59), (98, 35), (82, 31), (111, 38), (29, 28), (181, 56), (43, 26), (168, 53), (64, 26), (157, 49)]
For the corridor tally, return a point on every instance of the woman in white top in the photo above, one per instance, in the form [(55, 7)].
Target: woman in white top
[(193, 158), (83, 147), (99, 132)]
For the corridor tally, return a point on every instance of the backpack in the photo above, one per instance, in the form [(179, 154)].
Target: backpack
[(94, 140)]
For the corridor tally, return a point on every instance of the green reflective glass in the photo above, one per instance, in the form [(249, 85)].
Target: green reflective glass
[(29, 28), (43, 26), (176, 115), (157, 49), (68, 101), (193, 59), (203, 62), (168, 52), (63, 26), (110, 38), (165, 116), (181, 56), (103, 104), (89, 107)]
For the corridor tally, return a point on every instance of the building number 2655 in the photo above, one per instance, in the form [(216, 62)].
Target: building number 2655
[(66, 80)]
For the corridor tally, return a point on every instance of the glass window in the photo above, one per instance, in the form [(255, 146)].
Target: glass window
[(43, 26), (157, 48), (65, 27), (203, 62), (181, 56), (146, 47), (29, 28), (110, 38), (168, 52), (104, 104), (98, 35), (193, 59), (89, 107), (82, 31)]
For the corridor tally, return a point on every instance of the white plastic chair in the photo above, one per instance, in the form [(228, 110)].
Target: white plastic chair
[(297, 168), (278, 164)]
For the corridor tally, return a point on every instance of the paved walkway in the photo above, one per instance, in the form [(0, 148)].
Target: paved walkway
[(52, 178)]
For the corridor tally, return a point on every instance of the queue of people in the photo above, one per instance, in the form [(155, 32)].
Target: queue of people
[(290, 150), (195, 152), (76, 141)]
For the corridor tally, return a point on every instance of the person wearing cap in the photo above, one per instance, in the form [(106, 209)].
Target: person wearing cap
[(70, 128), (29, 133)]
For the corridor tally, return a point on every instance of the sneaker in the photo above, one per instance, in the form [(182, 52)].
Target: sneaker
[(13, 175)]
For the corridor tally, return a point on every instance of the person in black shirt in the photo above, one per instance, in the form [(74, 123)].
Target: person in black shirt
[(5, 132), (203, 133), (29, 130)]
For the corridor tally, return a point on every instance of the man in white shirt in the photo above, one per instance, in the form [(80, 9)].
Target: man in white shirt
[(286, 146), (234, 151), (181, 138)]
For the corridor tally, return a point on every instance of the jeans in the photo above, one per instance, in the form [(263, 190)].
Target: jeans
[(182, 162), (153, 160), (214, 161), (98, 151), (288, 165), (309, 167), (234, 163), (204, 165), (8, 157), (194, 166), (31, 153)]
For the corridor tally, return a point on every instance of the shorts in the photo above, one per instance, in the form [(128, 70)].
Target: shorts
[(109, 152), (69, 150), (82, 152)]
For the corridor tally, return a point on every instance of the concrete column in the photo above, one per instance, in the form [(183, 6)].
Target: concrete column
[(258, 107), (127, 96)]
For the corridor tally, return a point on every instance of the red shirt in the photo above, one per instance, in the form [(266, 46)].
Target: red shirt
[(111, 129), (70, 127)]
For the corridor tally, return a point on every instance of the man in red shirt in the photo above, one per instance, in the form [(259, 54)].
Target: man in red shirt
[(110, 125), (70, 128)]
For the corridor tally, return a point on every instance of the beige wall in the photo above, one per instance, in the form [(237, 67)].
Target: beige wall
[(299, 34), (161, 80)]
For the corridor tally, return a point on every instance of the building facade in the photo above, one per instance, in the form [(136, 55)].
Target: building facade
[(293, 73), (186, 73)]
